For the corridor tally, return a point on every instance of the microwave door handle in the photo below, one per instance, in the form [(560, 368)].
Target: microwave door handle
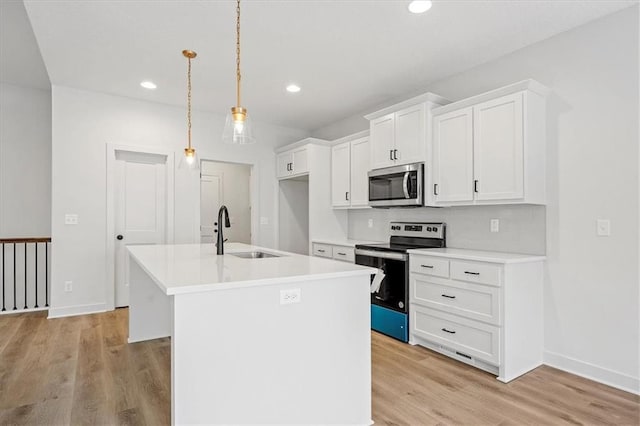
[(405, 185)]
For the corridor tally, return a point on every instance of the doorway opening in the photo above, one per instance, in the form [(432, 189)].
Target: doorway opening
[(226, 184)]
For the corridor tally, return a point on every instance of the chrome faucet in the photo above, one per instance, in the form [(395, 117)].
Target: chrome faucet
[(227, 224)]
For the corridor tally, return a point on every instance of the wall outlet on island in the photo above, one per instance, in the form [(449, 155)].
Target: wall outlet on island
[(495, 225), (68, 286), (289, 296), (370, 223)]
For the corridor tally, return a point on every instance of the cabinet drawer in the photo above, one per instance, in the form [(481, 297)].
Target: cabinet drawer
[(471, 338), (344, 253), (323, 250), (474, 301), (429, 265), (476, 272)]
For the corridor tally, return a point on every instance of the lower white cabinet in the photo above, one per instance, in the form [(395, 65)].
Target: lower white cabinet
[(484, 310), (337, 252)]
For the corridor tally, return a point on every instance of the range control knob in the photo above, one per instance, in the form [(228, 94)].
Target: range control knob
[(435, 229), (428, 229)]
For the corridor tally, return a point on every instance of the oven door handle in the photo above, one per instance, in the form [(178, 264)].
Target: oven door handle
[(382, 254), (405, 185)]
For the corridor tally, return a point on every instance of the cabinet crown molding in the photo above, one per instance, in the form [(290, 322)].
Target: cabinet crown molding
[(530, 85), (425, 97), (303, 142)]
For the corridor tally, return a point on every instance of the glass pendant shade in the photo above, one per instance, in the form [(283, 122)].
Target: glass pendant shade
[(238, 128), (189, 160)]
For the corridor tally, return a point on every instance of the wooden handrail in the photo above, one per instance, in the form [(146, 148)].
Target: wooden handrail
[(25, 240)]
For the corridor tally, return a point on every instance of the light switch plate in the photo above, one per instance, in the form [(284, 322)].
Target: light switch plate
[(264, 220), (70, 219), (68, 286), (603, 227), (495, 225)]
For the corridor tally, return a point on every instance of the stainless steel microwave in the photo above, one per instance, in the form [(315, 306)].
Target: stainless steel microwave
[(397, 186)]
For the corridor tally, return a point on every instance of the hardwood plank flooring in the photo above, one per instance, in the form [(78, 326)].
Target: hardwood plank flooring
[(80, 370)]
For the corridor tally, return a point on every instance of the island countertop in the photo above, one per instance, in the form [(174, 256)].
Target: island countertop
[(191, 268)]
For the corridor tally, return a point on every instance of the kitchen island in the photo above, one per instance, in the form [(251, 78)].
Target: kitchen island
[(280, 340)]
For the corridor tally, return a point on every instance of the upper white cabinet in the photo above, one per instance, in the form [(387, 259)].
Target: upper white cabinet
[(349, 167), (490, 149), (293, 163), (398, 133)]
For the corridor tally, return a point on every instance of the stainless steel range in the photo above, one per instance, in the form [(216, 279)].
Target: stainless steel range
[(390, 287)]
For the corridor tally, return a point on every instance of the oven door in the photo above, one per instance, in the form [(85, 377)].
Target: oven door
[(396, 186), (393, 291)]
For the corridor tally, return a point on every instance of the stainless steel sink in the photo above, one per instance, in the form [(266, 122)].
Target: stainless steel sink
[(254, 255)]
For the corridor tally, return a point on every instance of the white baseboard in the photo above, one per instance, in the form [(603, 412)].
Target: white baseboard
[(70, 311), (593, 372)]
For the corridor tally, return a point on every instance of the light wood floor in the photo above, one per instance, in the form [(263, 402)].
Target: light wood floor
[(80, 370)]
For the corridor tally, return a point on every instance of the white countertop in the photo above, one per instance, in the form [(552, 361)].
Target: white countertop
[(479, 255), (341, 242), (190, 268)]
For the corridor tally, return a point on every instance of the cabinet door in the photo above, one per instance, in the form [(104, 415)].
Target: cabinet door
[(300, 161), (360, 160), (453, 156), (284, 163), (381, 139), (410, 136), (340, 182), (498, 148)]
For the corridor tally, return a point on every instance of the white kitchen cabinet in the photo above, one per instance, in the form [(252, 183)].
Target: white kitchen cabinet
[(452, 161), (333, 251), (349, 168), (490, 149), (341, 175), (398, 133), (292, 163), (481, 308)]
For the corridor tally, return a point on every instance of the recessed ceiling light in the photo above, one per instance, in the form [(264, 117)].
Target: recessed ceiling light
[(419, 6), (148, 85), (293, 88)]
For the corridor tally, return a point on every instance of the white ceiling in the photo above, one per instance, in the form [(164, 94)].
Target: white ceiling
[(347, 56)]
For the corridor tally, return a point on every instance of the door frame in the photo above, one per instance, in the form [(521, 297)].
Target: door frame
[(111, 148)]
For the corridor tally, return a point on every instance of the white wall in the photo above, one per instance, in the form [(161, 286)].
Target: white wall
[(592, 283), (83, 123), (236, 195), (25, 162)]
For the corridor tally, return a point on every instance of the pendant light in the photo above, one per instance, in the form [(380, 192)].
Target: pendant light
[(237, 128), (189, 159)]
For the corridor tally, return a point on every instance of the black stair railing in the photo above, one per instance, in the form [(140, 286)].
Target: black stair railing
[(25, 285)]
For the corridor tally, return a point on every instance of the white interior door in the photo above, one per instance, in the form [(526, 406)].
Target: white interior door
[(211, 196), (140, 210)]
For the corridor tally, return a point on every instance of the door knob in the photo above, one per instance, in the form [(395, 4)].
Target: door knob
[(119, 237)]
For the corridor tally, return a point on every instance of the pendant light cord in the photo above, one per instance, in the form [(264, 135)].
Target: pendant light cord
[(238, 77), (189, 102)]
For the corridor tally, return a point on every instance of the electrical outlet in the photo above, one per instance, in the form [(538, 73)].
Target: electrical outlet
[(495, 225), (68, 286), (70, 219), (289, 296), (603, 227), (370, 223), (264, 220)]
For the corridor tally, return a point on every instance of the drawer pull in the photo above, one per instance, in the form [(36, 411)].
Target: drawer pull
[(448, 331), (320, 251), (472, 273), (447, 296), (342, 254), (427, 266)]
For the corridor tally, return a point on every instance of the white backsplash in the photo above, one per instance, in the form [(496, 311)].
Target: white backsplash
[(522, 227)]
